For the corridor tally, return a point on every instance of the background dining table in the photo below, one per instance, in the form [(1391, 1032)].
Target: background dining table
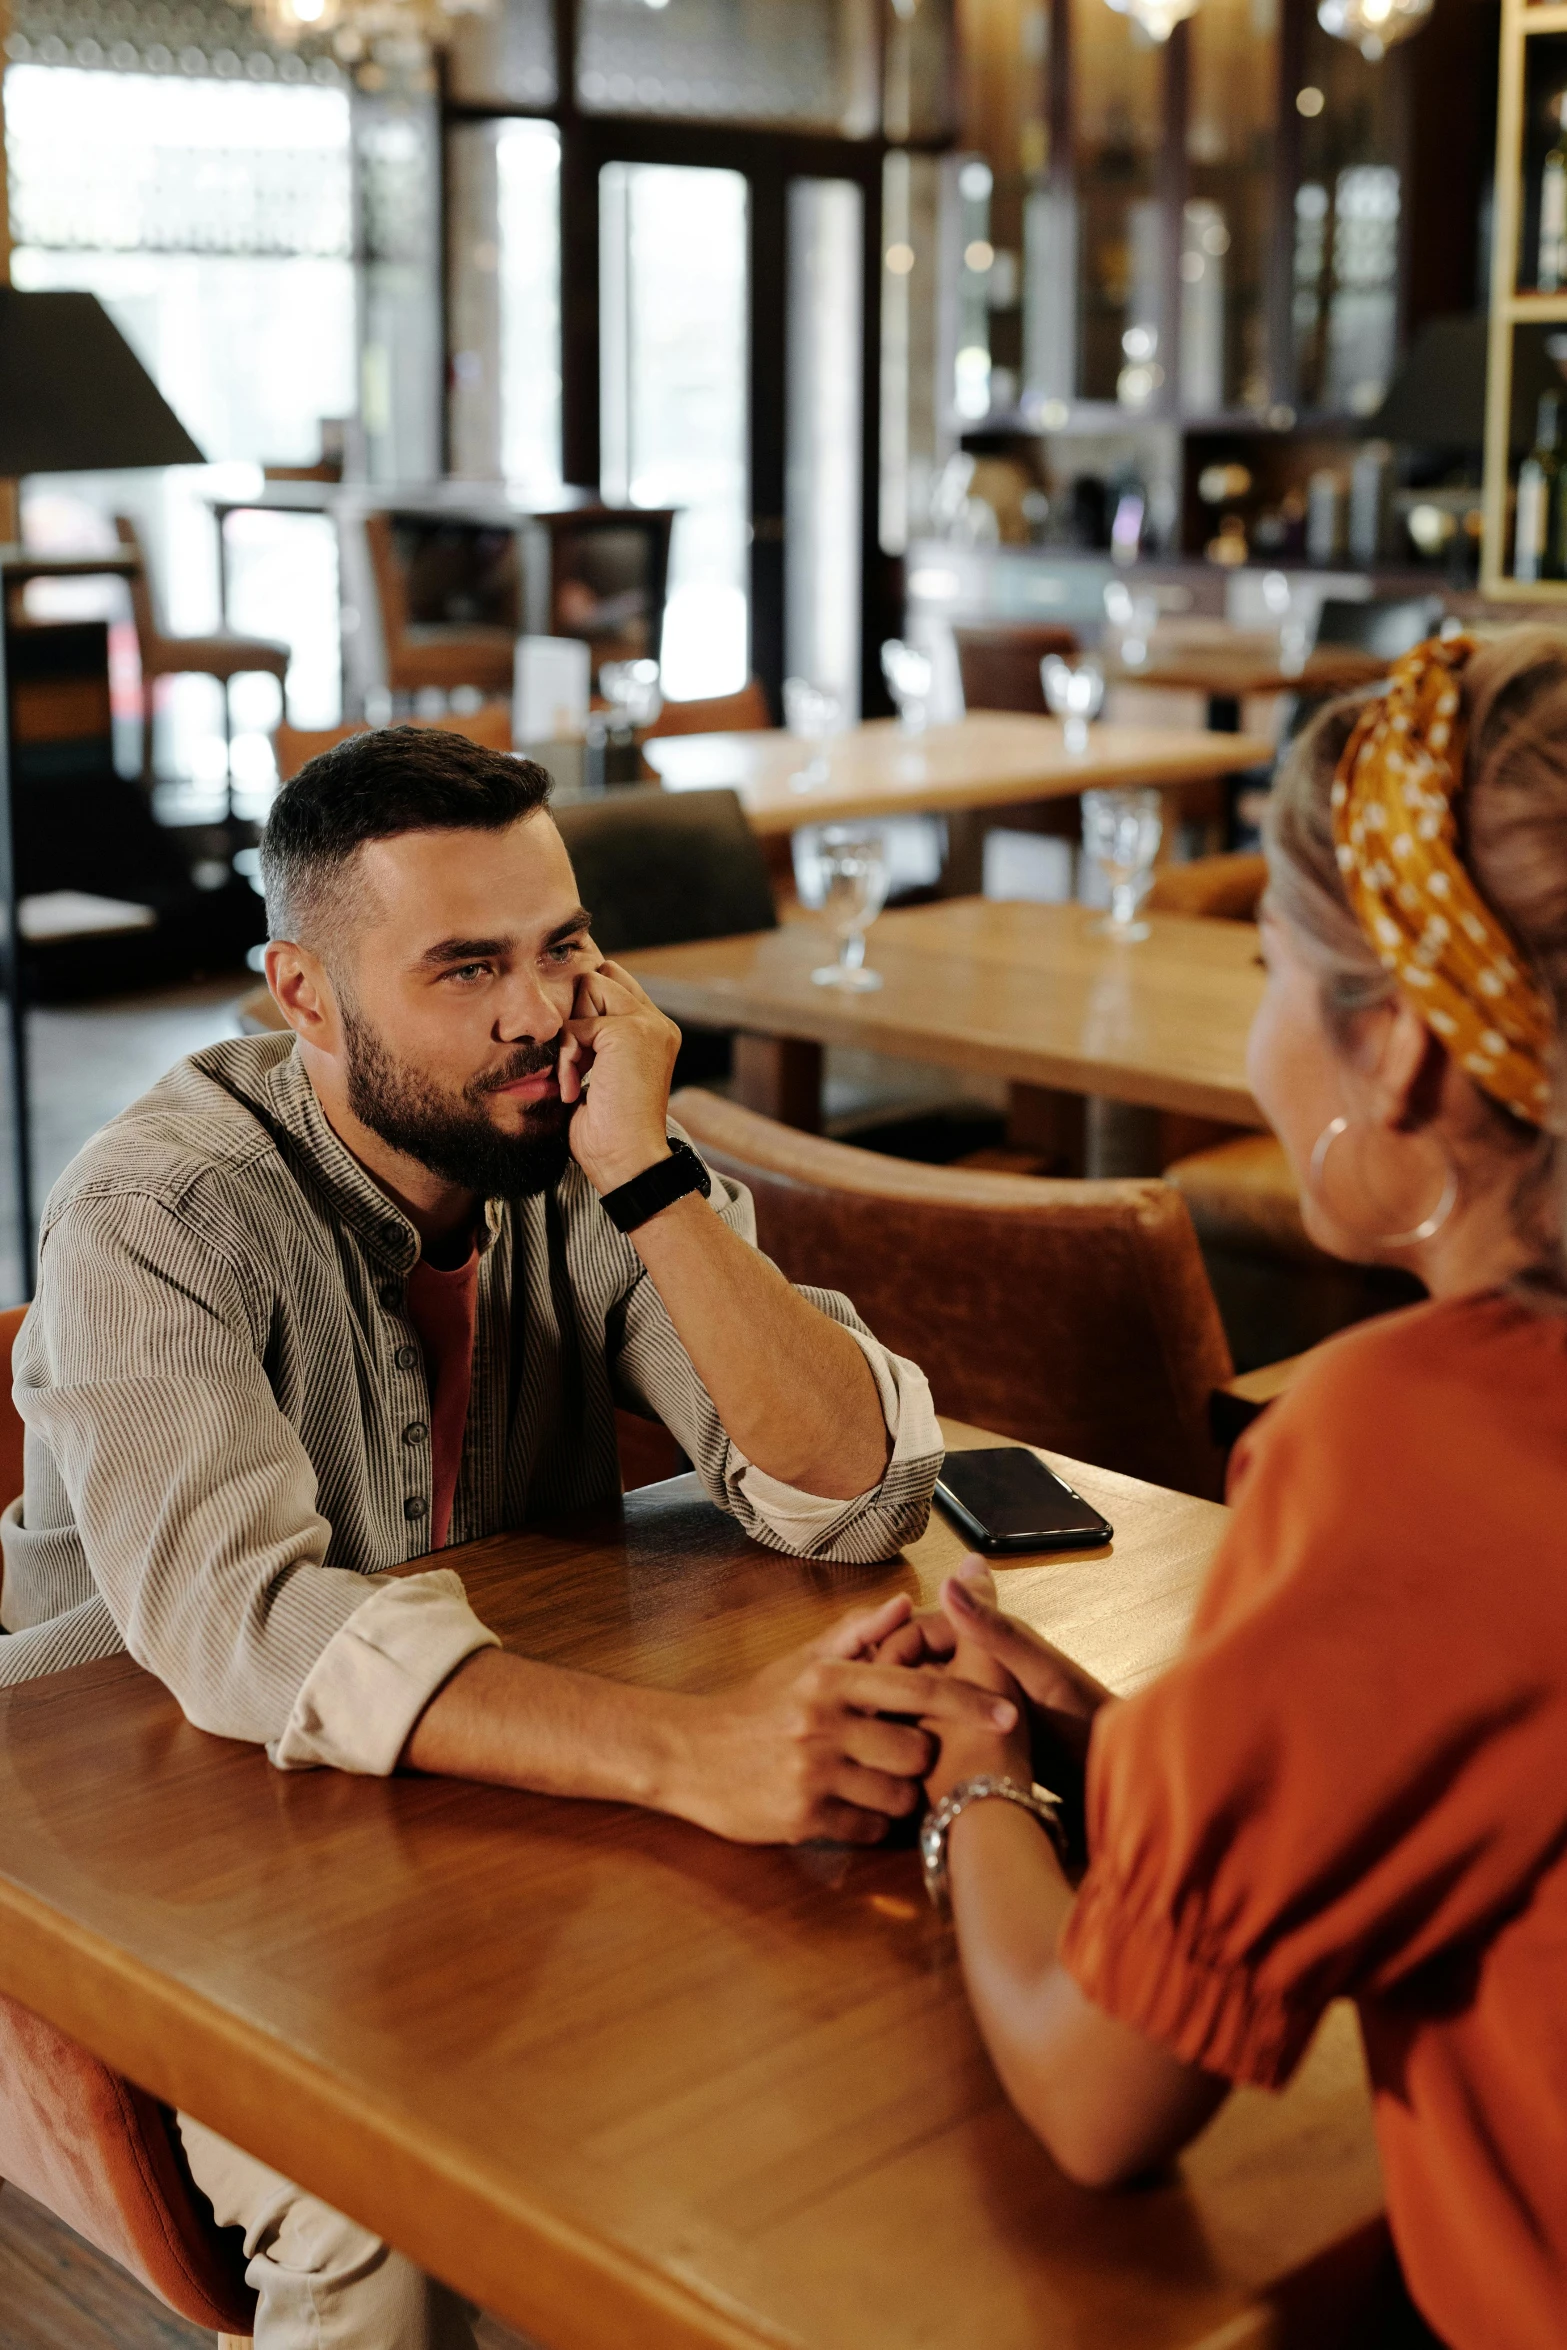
[(624, 2083), (988, 759), (1036, 994)]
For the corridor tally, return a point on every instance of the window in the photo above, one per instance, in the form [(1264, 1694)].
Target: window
[(213, 220)]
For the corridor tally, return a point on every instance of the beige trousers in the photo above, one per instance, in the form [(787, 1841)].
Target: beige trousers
[(322, 2282)]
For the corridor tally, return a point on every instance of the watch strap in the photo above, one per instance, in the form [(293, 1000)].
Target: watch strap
[(657, 1187), (937, 1824)]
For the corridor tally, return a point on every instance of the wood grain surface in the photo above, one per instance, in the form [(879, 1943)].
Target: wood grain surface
[(622, 2083), (1231, 672), (989, 759), (1033, 993)]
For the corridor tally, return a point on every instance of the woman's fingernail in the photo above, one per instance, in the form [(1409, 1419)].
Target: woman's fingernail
[(1003, 1715)]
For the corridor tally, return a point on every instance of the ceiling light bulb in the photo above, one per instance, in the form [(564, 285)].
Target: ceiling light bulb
[(1372, 26), (1157, 18)]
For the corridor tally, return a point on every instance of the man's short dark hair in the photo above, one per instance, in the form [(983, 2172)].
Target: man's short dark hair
[(373, 787)]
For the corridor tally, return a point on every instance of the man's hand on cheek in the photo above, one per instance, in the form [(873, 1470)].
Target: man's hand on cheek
[(617, 1037)]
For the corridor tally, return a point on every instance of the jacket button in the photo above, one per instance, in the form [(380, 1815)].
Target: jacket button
[(406, 1357), (415, 1432), (415, 1506), (392, 1296)]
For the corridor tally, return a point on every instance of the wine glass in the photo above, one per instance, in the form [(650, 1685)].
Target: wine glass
[(1289, 619), (1121, 832), (1133, 620), (908, 672), (1073, 693), (632, 690), (815, 714), (853, 869)]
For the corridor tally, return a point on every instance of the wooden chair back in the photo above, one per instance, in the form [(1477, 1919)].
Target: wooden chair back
[(1075, 1315), (1000, 666), (292, 746), (1224, 889), (391, 586), (743, 713), (144, 609)]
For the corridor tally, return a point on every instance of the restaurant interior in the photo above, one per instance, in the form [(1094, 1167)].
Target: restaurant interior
[(908, 470)]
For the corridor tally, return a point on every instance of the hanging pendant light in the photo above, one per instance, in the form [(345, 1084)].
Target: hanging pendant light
[(1158, 18), (1373, 26), (374, 38)]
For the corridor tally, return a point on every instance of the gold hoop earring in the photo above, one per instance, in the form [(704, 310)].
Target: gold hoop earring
[(1428, 1226)]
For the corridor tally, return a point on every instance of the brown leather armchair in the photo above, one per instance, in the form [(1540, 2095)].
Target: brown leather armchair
[(92, 2148), (1073, 1315)]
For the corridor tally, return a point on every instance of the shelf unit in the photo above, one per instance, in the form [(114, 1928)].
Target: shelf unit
[(1510, 309)]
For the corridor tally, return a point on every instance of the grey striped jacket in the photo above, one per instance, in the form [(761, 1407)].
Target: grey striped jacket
[(227, 1415)]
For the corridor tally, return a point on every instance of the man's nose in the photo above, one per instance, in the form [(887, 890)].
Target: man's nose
[(528, 1010)]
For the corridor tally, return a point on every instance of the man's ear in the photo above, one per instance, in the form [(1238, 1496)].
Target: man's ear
[(303, 994)]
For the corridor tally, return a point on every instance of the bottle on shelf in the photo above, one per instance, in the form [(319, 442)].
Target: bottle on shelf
[(1538, 550), (1551, 274)]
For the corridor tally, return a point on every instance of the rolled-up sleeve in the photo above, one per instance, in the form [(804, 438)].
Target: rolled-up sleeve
[(653, 1374), (140, 1378)]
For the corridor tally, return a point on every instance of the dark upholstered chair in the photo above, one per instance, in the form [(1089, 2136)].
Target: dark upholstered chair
[(96, 2151), (660, 867), (1073, 1315), (1386, 629), (999, 666)]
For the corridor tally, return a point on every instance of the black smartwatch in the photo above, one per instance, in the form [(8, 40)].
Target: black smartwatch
[(657, 1187)]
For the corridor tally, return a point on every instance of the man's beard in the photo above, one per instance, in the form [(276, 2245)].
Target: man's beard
[(452, 1134)]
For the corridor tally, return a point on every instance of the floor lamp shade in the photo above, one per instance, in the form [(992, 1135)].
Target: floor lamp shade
[(74, 397)]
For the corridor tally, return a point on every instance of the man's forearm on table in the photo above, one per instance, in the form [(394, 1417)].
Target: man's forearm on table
[(515, 1723), (793, 1389)]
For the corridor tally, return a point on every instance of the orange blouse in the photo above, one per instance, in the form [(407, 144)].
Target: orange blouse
[(1354, 1783)]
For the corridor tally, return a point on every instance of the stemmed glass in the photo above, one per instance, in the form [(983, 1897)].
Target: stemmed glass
[(1133, 620), (632, 690), (1288, 619), (815, 714), (1074, 694), (853, 869), (908, 672), (1121, 832)]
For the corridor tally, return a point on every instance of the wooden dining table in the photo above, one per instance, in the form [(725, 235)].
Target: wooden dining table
[(989, 759), (1229, 666), (622, 2083), (1035, 994)]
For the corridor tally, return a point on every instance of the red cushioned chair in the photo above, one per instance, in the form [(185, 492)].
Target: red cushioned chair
[(96, 2151)]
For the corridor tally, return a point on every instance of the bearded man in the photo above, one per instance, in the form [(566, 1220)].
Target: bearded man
[(318, 1305)]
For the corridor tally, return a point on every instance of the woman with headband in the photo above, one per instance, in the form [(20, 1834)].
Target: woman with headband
[(1354, 1782)]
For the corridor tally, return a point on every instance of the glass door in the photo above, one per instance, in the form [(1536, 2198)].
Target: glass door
[(674, 335), (732, 328)]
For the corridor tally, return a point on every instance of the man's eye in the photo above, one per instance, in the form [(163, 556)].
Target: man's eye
[(565, 949), (466, 973)]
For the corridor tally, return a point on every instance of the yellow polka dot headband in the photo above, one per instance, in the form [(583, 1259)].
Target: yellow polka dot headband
[(1397, 842)]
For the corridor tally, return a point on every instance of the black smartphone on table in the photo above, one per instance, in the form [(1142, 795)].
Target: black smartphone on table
[(1005, 1499)]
